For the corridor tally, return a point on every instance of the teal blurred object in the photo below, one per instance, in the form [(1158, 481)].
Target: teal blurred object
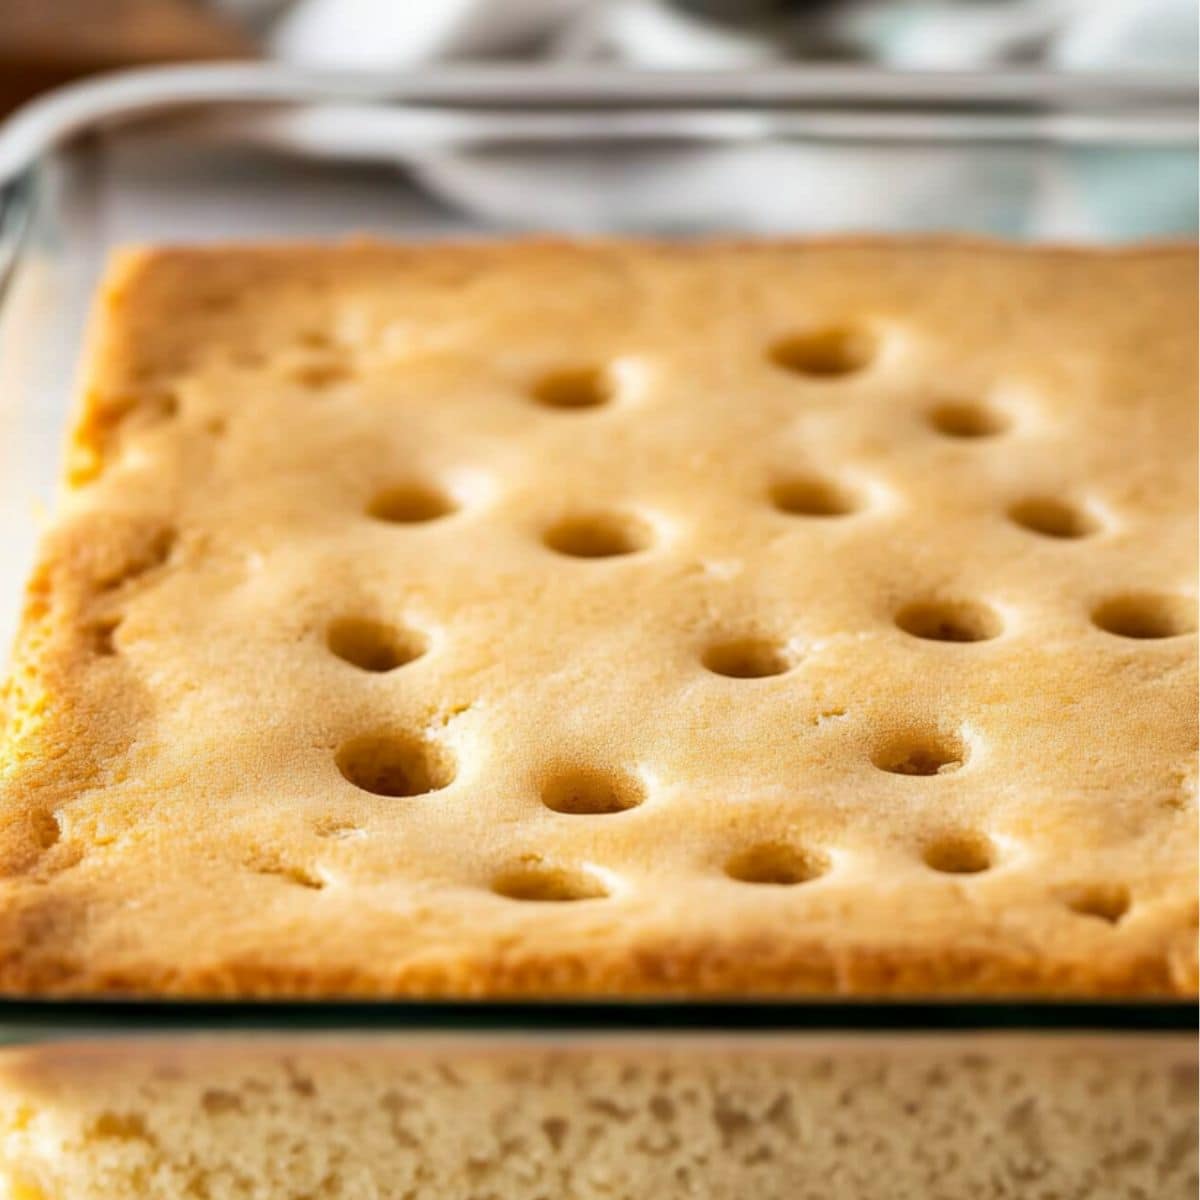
[(1155, 195)]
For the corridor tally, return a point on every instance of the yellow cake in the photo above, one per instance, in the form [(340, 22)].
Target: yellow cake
[(615, 618)]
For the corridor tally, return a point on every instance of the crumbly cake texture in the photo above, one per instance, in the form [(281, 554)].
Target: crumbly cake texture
[(783, 1119), (826, 1118), (546, 618)]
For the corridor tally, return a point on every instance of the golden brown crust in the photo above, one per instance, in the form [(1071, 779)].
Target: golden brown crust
[(173, 818)]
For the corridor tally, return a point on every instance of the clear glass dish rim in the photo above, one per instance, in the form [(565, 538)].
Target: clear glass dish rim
[(30, 1017), (42, 126), (44, 123)]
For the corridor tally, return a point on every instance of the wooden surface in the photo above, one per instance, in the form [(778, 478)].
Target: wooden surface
[(47, 42)]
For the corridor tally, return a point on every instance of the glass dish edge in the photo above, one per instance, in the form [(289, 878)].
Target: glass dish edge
[(38, 128)]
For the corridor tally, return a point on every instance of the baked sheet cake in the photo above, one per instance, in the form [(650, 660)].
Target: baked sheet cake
[(538, 618)]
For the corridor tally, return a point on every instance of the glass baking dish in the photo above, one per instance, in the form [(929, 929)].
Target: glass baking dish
[(601, 1098)]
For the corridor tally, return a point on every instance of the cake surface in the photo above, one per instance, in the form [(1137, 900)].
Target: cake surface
[(615, 618)]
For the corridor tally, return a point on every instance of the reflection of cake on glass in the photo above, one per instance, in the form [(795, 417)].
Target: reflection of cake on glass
[(526, 1116)]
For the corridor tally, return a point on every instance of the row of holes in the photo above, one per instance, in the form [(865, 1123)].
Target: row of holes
[(608, 535), (611, 535), (782, 865), (825, 354), (586, 388), (831, 353), (777, 864), (822, 354), (398, 765), (395, 765), (377, 647)]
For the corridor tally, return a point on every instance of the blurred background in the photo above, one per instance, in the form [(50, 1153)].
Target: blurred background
[(45, 42)]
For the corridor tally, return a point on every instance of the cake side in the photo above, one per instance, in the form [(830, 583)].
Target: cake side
[(61, 721), (774, 1116), (816, 618)]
